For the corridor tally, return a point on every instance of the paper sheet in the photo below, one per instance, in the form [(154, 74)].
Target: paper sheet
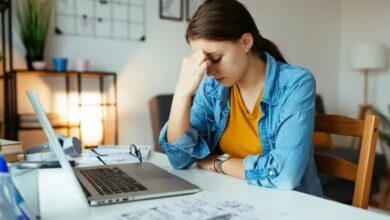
[(200, 206)]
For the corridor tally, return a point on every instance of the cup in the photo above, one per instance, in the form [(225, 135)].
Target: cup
[(60, 63), (82, 65)]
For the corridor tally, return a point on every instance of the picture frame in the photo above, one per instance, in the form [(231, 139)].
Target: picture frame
[(191, 7), (171, 9)]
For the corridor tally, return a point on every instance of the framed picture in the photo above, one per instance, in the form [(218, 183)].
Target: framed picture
[(171, 9), (191, 7)]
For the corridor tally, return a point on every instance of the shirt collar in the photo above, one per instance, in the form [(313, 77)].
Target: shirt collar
[(271, 86)]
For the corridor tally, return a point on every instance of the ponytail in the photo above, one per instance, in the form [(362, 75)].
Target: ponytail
[(262, 44)]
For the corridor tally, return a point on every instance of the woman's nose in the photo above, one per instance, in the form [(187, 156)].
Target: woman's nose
[(211, 71)]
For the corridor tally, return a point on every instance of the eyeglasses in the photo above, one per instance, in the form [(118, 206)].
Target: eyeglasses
[(134, 151)]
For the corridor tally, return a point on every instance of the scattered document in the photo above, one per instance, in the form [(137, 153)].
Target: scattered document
[(200, 206)]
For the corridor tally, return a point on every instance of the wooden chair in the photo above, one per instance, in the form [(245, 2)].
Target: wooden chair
[(360, 173)]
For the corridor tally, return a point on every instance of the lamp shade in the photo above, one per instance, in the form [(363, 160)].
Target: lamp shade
[(369, 56)]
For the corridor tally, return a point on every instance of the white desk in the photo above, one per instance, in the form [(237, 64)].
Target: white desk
[(59, 199)]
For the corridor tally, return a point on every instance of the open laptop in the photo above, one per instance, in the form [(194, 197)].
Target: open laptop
[(114, 183)]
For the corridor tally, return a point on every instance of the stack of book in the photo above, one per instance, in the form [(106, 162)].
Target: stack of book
[(31, 120), (10, 149)]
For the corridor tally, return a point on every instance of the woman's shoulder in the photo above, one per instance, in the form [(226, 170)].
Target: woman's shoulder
[(291, 75)]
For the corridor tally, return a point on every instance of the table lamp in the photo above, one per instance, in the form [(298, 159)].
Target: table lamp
[(368, 57)]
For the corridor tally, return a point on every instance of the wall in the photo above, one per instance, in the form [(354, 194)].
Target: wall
[(307, 31), (363, 21)]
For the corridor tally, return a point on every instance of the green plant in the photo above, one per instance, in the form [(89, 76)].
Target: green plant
[(34, 19), (385, 126)]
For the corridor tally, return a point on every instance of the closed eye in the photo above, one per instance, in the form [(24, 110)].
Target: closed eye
[(215, 60)]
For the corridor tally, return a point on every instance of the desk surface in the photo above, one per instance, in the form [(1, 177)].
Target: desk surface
[(59, 199)]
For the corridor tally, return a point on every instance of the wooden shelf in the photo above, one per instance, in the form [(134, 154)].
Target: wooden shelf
[(54, 73), (54, 126), (104, 79)]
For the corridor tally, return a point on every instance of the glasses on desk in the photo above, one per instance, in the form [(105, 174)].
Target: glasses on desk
[(134, 151)]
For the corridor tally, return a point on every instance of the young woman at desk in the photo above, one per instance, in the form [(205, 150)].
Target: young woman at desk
[(253, 114)]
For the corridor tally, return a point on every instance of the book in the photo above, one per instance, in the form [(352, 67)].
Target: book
[(10, 149), (14, 157)]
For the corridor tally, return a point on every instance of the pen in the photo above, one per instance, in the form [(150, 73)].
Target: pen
[(101, 160)]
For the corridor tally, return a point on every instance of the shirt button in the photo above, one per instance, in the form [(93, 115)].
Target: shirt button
[(271, 173)]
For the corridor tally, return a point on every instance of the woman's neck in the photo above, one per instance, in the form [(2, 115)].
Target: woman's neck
[(253, 78)]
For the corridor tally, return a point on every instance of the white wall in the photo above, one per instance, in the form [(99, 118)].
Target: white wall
[(307, 32), (363, 21)]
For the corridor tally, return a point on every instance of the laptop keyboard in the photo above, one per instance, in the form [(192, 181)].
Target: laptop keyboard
[(111, 181)]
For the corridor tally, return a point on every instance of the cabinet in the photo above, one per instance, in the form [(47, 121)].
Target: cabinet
[(81, 104)]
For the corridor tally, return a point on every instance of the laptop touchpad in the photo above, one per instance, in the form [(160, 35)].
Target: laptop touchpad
[(153, 174)]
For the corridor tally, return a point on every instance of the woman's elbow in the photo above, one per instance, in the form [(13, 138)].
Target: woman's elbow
[(180, 161), (286, 182)]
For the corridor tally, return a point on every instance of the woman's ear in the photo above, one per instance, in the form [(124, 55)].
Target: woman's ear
[(246, 41)]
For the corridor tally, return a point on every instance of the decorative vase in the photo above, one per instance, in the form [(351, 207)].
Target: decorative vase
[(30, 59), (39, 65)]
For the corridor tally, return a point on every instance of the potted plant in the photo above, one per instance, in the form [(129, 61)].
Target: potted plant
[(34, 20), (385, 126)]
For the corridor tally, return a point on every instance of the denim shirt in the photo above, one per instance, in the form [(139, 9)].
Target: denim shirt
[(285, 129)]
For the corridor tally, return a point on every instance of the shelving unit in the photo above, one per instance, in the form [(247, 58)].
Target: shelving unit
[(6, 55), (71, 79)]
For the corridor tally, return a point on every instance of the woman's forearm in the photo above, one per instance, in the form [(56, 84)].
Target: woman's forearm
[(234, 167), (194, 67), (179, 118)]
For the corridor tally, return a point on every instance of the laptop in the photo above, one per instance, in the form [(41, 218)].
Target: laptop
[(113, 183)]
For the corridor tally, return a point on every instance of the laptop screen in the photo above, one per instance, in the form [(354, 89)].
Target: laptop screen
[(54, 144)]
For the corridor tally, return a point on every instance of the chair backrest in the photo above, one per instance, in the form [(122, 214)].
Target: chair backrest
[(159, 108), (360, 173), (321, 140), (320, 108)]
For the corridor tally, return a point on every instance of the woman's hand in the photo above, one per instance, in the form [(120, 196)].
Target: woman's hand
[(193, 68), (208, 163)]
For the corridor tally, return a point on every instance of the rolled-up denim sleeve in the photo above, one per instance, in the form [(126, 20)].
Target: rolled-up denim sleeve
[(194, 143), (285, 165)]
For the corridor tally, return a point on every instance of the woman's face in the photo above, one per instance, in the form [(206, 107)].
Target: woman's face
[(229, 59)]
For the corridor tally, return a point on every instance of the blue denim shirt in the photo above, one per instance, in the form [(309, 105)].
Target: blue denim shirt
[(285, 129)]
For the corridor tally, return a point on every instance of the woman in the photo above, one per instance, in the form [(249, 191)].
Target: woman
[(253, 114)]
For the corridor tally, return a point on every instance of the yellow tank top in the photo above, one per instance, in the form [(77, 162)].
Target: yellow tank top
[(241, 137)]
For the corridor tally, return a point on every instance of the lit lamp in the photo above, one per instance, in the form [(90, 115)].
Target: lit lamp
[(368, 57)]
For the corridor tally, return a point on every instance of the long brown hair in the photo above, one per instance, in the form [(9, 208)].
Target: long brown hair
[(224, 20)]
